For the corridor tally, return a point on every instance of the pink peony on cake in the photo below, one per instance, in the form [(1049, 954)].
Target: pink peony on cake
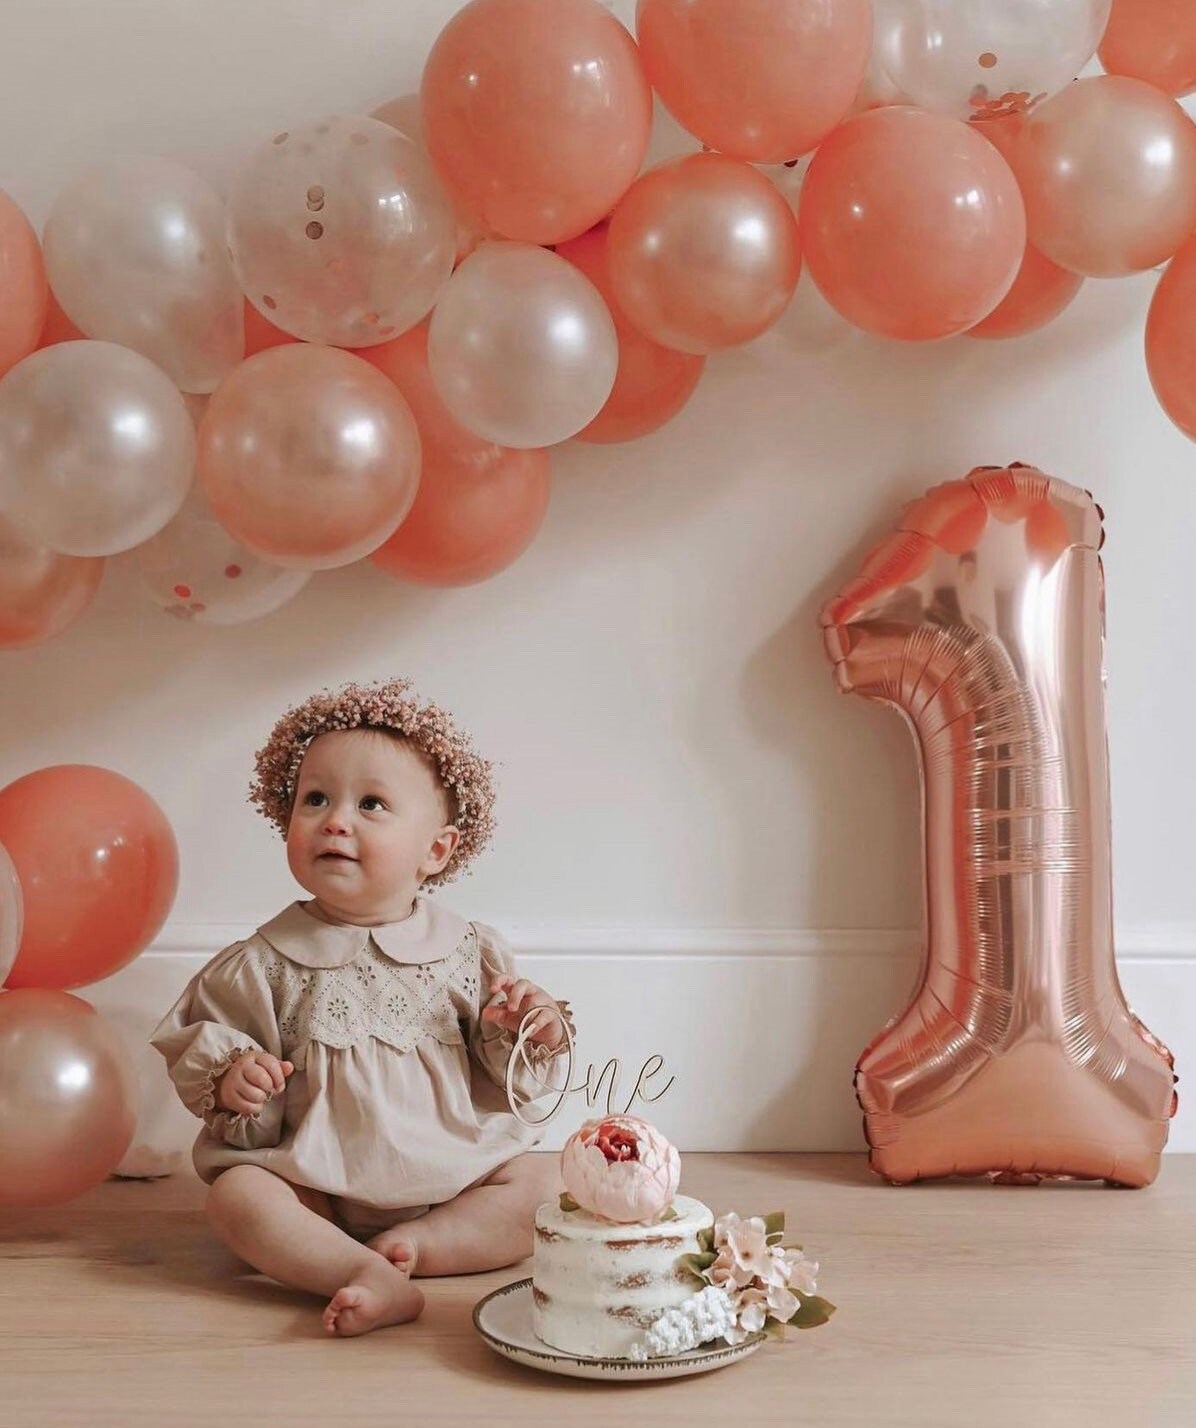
[(625, 1268)]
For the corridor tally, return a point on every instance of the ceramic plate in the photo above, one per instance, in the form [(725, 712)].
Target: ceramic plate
[(504, 1320)]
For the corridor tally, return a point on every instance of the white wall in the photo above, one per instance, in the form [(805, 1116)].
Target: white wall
[(694, 827)]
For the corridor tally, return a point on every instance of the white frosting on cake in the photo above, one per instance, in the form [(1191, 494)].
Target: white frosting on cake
[(597, 1286)]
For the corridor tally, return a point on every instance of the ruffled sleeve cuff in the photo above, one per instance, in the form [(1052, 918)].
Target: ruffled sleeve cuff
[(247, 1131)]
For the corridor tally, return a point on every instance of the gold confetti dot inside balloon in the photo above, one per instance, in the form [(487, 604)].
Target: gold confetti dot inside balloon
[(987, 60)]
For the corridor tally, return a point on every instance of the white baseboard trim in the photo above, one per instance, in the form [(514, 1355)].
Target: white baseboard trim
[(759, 1027), (1162, 942)]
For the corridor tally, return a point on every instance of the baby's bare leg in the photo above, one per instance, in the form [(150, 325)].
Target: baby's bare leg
[(263, 1219), (485, 1227)]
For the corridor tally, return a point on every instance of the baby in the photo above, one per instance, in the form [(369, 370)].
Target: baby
[(349, 1060)]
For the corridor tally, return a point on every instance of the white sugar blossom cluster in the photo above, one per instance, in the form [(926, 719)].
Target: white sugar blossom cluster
[(757, 1277), (709, 1314)]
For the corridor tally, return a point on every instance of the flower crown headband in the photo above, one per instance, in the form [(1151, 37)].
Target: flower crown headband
[(388, 706)]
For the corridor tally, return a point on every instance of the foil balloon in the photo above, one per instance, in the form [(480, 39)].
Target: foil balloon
[(981, 620), (12, 913), (68, 1097)]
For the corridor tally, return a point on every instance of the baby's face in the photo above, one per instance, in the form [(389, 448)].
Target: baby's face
[(367, 825)]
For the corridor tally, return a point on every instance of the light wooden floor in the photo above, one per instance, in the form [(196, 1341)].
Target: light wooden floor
[(960, 1305)]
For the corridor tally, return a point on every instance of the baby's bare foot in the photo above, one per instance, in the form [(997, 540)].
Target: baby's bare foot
[(394, 1245), (378, 1294)]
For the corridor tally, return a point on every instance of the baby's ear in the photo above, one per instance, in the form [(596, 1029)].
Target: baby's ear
[(441, 852)]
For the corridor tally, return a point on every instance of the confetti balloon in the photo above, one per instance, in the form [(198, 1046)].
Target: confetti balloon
[(96, 448), (981, 619), (41, 591), (22, 285), (136, 254), (341, 232), (194, 570), (68, 1097), (981, 59)]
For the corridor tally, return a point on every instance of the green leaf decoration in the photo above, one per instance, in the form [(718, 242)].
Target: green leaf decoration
[(774, 1328), (568, 1203), (706, 1239), (669, 1214), (814, 1311), (774, 1224), (697, 1264)]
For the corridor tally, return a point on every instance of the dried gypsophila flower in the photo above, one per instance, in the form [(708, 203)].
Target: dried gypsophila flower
[(385, 705)]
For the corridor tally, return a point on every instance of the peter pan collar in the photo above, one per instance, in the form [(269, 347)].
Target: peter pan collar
[(429, 934)]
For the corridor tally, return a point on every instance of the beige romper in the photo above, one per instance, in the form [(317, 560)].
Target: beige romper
[(398, 1100)]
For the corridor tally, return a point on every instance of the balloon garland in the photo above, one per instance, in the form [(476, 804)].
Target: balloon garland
[(370, 348)]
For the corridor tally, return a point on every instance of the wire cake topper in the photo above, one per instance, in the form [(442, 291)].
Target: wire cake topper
[(591, 1087)]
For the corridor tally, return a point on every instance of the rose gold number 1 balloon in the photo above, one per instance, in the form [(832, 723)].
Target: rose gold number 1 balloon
[(982, 620)]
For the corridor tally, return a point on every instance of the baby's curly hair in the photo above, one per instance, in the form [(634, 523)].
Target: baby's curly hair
[(388, 707)]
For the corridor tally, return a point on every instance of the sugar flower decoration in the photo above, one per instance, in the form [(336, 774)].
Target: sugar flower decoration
[(620, 1168)]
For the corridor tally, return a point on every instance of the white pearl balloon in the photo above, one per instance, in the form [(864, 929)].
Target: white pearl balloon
[(136, 254), (522, 348), (97, 449)]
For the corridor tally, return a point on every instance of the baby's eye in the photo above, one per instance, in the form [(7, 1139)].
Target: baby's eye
[(371, 802), (314, 799)]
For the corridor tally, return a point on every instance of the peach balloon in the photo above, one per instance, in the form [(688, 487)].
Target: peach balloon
[(12, 913), (308, 456), (68, 1097), (57, 326), (478, 506), (260, 332), (912, 224), (1171, 339), (653, 382), (23, 288), (1039, 293), (99, 869), (1154, 40), (41, 592), (703, 253), (538, 123), (765, 80), (1108, 171), (403, 114)]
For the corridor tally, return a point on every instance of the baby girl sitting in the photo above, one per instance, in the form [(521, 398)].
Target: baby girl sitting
[(349, 1060)]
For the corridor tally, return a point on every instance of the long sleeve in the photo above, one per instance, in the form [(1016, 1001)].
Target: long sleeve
[(225, 1011), (492, 1046)]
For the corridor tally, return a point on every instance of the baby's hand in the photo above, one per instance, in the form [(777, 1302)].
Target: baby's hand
[(250, 1081), (522, 996)]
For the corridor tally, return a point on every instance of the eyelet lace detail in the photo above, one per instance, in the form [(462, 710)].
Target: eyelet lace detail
[(396, 1003)]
